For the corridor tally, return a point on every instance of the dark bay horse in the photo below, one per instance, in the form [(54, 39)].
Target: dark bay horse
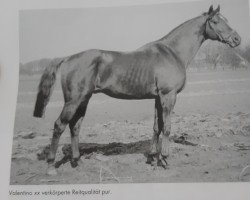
[(155, 71)]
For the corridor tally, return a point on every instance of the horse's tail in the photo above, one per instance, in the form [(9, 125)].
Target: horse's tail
[(45, 87)]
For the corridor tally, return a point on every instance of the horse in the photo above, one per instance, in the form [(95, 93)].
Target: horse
[(155, 71)]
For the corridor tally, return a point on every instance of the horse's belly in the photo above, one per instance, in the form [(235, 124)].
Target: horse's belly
[(123, 90), (128, 95)]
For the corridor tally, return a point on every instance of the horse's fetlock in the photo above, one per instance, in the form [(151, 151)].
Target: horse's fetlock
[(50, 160), (166, 133)]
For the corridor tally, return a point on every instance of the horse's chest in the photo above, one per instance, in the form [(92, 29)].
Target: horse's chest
[(169, 79)]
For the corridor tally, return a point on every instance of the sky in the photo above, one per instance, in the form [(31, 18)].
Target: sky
[(62, 32)]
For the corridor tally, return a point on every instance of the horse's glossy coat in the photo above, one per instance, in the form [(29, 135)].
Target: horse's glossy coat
[(154, 71)]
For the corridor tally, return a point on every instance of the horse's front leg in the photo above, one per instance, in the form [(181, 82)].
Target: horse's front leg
[(167, 102), (158, 125)]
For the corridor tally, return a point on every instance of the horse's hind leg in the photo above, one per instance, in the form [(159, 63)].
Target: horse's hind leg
[(158, 125), (75, 125), (66, 115)]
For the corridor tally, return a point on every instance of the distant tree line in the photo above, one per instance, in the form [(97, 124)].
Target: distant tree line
[(34, 67), (214, 55)]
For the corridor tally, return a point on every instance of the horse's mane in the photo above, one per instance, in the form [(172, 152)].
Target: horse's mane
[(176, 28)]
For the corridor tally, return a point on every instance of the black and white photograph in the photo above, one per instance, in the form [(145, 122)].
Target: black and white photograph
[(156, 93)]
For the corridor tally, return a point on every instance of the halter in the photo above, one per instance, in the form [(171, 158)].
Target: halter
[(221, 39)]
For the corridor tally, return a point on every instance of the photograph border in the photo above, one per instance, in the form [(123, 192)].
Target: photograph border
[(9, 86)]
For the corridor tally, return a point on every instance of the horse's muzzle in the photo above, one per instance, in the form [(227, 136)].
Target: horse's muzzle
[(234, 40)]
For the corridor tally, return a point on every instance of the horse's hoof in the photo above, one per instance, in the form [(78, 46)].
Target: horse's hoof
[(150, 159), (74, 163), (80, 162), (162, 161), (162, 164), (164, 157), (57, 165), (51, 171)]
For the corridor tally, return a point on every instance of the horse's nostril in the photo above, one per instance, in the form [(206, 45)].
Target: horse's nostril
[(236, 38)]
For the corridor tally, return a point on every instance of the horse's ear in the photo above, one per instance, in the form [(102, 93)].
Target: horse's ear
[(211, 9), (212, 12), (217, 9)]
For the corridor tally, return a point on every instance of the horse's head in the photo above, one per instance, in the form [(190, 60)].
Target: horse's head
[(217, 28)]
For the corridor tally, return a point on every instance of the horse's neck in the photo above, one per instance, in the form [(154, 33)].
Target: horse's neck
[(186, 39)]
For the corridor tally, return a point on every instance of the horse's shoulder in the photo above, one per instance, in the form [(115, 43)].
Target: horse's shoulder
[(170, 54)]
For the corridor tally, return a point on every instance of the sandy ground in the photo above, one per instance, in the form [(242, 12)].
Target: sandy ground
[(213, 112)]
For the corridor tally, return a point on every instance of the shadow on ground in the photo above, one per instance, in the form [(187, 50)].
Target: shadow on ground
[(114, 148)]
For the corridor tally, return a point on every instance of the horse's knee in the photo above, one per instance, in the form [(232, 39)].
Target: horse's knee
[(68, 112), (75, 127), (155, 130), (167, 127), (59, 127)]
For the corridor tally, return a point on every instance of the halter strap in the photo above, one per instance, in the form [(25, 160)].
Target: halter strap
[(217, 33)]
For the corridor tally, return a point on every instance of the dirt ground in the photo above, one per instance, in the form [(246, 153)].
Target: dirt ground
[(213, 113)]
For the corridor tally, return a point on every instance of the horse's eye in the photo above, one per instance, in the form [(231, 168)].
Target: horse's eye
[(215, 22)]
